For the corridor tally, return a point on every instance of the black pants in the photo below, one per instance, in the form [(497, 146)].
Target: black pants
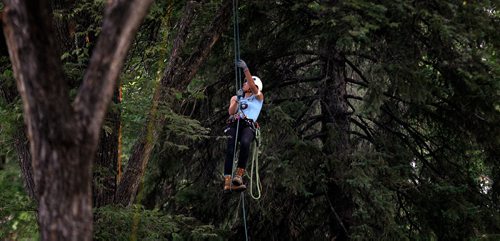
[(245, 138)]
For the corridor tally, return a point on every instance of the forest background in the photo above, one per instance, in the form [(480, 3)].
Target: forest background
[(381, 120)]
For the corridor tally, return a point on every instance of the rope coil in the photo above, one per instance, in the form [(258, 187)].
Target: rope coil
[(255, 166)]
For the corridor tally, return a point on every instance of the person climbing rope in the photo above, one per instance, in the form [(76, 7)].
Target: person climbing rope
[(244, 109)]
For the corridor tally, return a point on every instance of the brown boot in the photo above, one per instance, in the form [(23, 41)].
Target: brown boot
[(227, 184), (229, 187), (238, 180)]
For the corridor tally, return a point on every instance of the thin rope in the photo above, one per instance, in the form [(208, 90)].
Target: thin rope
[(242, 198), (236, 33)]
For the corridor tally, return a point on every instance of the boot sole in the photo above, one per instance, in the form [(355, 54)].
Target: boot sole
[(240, 189)]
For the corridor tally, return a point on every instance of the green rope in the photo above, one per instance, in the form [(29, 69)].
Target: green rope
[(255, 166)]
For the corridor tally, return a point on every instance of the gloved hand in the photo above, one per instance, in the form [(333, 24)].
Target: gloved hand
[(240, 63)]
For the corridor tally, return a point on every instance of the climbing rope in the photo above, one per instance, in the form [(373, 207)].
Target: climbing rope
[(237, 73), (239, 93), (236, 33)]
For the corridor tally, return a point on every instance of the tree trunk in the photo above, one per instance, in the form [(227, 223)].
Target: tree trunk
[(105, 165), (144, 145), (335, 107), (63, 136), (105, 171), (177, 74), (2, 162), (336, 142), (22, 147)]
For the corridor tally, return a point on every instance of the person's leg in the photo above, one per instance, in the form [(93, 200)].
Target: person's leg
[(246, 138), (228, 164)]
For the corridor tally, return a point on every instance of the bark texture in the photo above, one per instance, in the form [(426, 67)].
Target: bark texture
[(63, 136)]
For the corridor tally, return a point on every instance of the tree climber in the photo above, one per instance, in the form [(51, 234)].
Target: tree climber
[(245, 109)]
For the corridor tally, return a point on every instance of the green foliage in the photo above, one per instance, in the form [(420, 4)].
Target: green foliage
[(137, 95), (114, 223), (11, 116), (17, 211), (184, 128), (86, 18)]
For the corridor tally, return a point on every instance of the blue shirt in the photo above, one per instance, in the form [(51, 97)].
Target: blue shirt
[(250, 107)]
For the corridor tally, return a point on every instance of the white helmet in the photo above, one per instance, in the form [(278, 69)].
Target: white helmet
[(257, 82)]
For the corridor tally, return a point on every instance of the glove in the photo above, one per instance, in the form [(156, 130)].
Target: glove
[(240, 63)]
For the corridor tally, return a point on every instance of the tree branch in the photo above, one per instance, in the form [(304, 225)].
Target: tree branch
[(357, 70), (356, 82), (297, 81), (369, 135), (207, 41), (353, 97), (107, 60)]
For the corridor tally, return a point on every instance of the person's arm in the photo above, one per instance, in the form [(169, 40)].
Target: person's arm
[(248, 76), (251, 83), (233, 105)]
